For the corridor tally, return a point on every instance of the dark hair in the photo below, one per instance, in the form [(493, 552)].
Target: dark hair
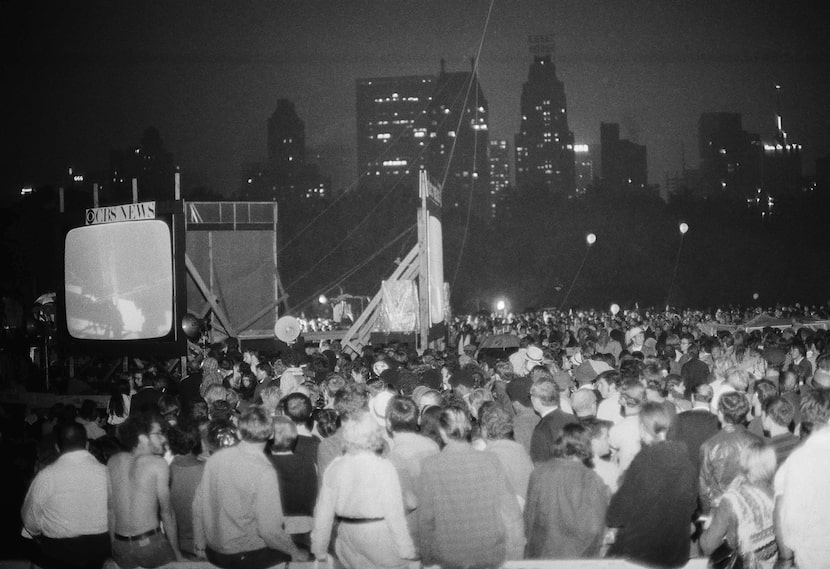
[(328, 421), (89, 410), (141, 424), (575, 442), (430, 421), (402, 414), (72, 436), (118, 389), (764, 390), (734, 407), (183, 439), (456, 424), (298, 408), (221, 433), (780, 410)]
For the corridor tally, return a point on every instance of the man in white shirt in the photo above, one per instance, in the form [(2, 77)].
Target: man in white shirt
[(625, 435), (801, 498), (65, 509)]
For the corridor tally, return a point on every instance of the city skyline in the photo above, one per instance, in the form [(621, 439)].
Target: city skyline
[(92, 82)]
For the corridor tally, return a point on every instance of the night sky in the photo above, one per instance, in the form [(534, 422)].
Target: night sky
[(88, 77)]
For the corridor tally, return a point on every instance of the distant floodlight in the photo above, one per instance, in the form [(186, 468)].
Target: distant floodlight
[(615, 308), (591, 239), (684, 227), (322, 299), (500, 305)]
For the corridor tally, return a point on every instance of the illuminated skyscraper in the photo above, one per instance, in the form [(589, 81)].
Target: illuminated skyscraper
[(499, 173), (544, 145), (389, 147), (457, 125), (286, 142)]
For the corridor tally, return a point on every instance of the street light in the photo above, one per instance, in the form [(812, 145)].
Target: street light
[(684, 228)]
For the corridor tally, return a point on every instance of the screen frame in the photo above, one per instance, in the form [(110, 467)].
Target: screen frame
[(173, 344)]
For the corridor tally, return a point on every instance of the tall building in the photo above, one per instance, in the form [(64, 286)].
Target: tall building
[(544, 145), (457, 124), (286, 142), (389, 146), (286, 176), (782, 173), (623, 163), (499, 173), (730, 157), (149, 163), (583, 168)]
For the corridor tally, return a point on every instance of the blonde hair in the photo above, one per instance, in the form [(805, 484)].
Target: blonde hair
[(362, 432), (758, 462)]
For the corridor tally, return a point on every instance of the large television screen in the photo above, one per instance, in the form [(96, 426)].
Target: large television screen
[(122, 283)]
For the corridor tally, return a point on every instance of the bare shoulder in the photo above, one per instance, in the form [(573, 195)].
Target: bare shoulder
[(152, 463)]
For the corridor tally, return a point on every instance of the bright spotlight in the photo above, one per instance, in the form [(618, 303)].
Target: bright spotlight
[(591, 239)]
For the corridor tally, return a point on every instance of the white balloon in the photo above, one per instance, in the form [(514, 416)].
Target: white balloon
[(591, 239), (684, 227), (615, 308)]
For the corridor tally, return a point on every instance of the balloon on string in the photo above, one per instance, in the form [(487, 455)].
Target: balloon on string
[(591, 238), (615, 308), (755, 296)]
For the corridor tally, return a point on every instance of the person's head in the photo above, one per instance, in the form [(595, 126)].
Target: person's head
[(88, 410), (758, 463), (184, 438), (361, 433), (143, 432), (703, 393), (575, 444), (401, 415), (255, 425), (733, 408), (599, 429), (430, 424), (328, 421), (271, 396), (221, 433), (71, 437), (584, 403), (544, 392), (430, 398), (632, 397), (815, 410), (285, 434), (352, 399), (215, 393), (764, 390), (298, 408), (655, 421), (608, 383), (454, 425), (495, 422), (478, 397), (169, 407), (686, 342), (263, 371), (797, 350), (675, 387), (738, 378), (777, 412)]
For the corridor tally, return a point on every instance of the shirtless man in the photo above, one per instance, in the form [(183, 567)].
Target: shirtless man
[(140, 493)]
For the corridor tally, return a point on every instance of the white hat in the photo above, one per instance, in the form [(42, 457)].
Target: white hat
[(378, 405), (632, 333), (533, 357)]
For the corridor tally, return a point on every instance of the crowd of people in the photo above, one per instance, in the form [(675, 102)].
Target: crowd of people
[(630, 434)]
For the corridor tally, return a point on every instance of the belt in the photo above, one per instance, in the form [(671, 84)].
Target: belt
[(345, 520), (138, 537)]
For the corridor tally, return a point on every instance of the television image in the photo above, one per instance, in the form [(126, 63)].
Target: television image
[(123, 284)]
